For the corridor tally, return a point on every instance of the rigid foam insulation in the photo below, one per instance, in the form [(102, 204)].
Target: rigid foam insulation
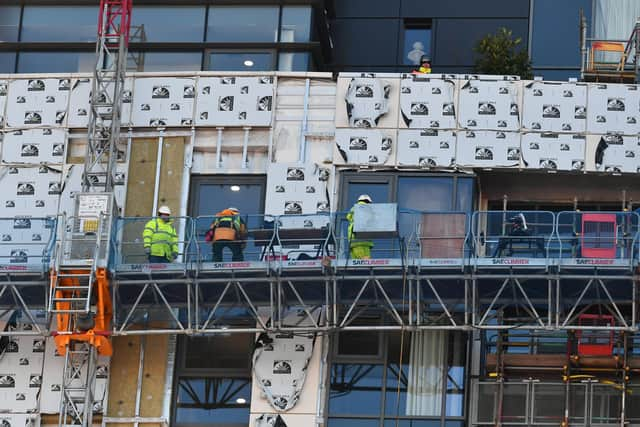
[(159, 102), (34, 146), (38, 102), (427, 148), (489, 105), (428, 102), (553, 151), (488, 149), (367, 101), (555, 107), (613, 108), (364, 146)]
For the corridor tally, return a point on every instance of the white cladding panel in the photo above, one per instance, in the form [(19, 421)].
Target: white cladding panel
[(160, 102), (426, 148), (555, 107), (38, 102), (613, 108), (428, 102), (34, 146), (489, 105), (553, 151), (488, 149)]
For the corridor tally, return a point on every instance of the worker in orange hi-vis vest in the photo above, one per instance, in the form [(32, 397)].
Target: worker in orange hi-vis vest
[(425, 66), (227, 231)]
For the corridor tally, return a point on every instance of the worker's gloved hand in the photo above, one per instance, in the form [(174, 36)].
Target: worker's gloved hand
[(174, 255), (147, 251)]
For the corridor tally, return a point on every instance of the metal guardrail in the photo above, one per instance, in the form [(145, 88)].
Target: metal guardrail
[(483, 238)]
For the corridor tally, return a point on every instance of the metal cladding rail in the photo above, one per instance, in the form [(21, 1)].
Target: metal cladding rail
[(535, 270)]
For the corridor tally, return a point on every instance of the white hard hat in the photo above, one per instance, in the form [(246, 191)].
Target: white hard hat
[(365, 198), (164, 210), (234, 209)]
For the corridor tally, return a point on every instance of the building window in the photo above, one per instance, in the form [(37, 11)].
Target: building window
[(56, 62), (7, 62), (213, 381), (149, 24), (164, 61), (296, 24), (293, 61), (417, 42), (418, 377), (243, 24), (59, 24), (240, 61), (9, 23)]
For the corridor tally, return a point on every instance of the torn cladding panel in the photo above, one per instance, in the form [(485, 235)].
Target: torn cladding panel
[(428, 102), (613, 153), (34, 146), (235, 101), (613, 108), (488, 149), (367, 99), (280, 361), (78, 116), (489, 105), (160, 102), (427, 148), (38, 102), (555, 107)]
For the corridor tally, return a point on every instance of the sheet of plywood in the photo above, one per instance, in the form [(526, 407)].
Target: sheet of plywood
[(442, 235), (124, 377)]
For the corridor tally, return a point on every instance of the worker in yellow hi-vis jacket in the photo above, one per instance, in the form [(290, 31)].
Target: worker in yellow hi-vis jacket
[(358, 249), (160, 238)]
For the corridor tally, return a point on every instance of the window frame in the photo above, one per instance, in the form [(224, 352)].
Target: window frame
[(206, 61), (385, 363), (420, 23), (207, 179)]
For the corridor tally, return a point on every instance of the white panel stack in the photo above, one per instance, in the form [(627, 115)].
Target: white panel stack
[(555, 107), (297, 189), (34, 146), (38, 102), (428, 102), (489, 105), (160, 102), (52, 381), (554, 151), (235, 101), (21, 373), (613, 153), (4, 88), (79, 103), (364, 146), (613, 108), (488, 149), (428, 148)]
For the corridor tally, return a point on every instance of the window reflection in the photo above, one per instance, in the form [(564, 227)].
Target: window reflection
[(243, 24), (71, 24), (7, 62), (240, 61), (290, 61), (9, 23), (149, 24), (55, 62), (296, 24), (213, 402), (164, 61), (417, 42)]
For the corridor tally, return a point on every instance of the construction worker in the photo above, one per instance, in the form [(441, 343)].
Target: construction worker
[(425, 66), (358, 249), (160, 238), (227, 231)]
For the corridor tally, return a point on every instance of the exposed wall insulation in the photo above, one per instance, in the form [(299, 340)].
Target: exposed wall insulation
[(142, 176), (428, 148), (428, 102), (555, 107), (124, 377), (613, 108), (553, 151), (364, 146), (171, 173), (297, 189)]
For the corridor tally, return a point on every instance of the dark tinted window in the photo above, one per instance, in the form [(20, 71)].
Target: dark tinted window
[(168, 24), (241, 61), (167, 61), (227, 352), (417, 42), (7, 62), (213, 402), (59, 23), (296, 24), (293, 61), (243, 24), (9, 22), (55, 62)]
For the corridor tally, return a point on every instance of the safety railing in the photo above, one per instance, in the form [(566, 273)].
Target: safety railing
[(511, 235), (253, 243), (27, 243), (163, 251), (596, 238), (436, 238), (484, 238)]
